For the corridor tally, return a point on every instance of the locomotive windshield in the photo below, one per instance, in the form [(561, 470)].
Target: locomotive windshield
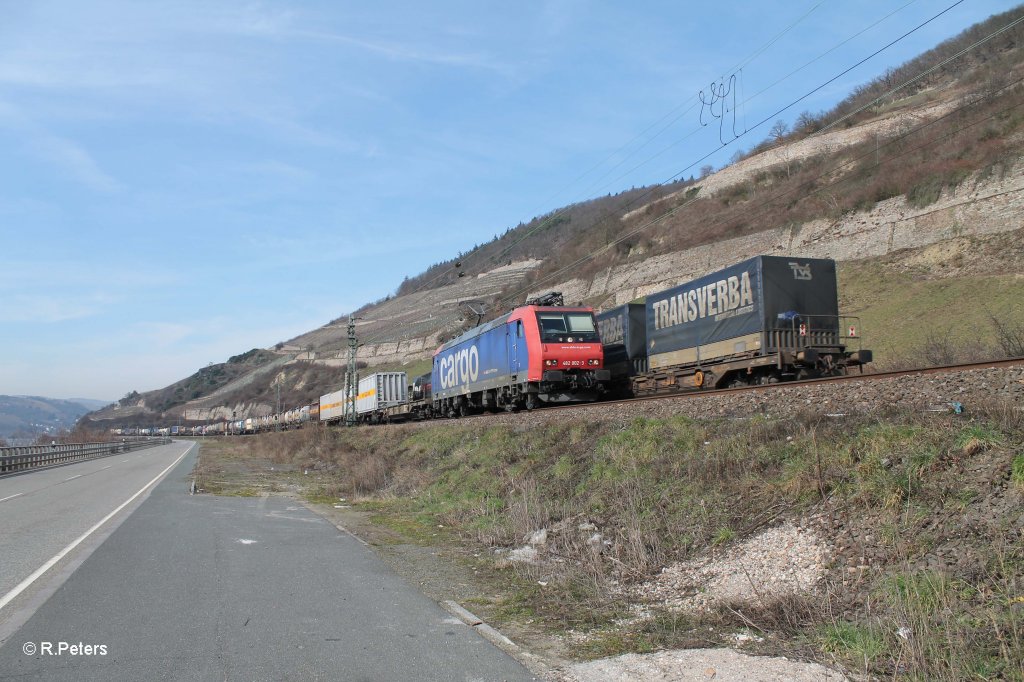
[(567, 327)]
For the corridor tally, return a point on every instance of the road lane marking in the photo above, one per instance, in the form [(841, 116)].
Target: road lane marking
[(24, 584), (11, 497), (106, 467), (123, 461), (73, 478)]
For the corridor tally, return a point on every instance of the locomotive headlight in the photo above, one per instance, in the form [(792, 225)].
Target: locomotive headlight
[(551, 363), (593, 362)]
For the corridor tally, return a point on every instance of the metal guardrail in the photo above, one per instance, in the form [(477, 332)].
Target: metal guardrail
[(33, 456)]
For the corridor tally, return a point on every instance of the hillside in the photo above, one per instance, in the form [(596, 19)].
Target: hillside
[(23, 419), (906, 183)]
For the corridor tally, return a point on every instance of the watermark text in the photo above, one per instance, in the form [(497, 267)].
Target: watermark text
[(43, 648)]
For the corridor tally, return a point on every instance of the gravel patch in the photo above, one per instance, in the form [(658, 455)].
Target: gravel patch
[(783, 560), (700, 665)]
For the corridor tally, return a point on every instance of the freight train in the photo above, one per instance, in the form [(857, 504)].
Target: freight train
[(761, 321)]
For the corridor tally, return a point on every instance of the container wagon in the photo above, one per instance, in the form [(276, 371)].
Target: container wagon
[(419, 405), (378, 393), (764, 320)]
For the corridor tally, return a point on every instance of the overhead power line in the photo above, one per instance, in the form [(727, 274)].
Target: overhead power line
[(671, 117), (784, 194), (768, 118), (593, 254)]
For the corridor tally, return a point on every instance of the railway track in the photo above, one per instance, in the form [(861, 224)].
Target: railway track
[(872, 376), (738, 391)]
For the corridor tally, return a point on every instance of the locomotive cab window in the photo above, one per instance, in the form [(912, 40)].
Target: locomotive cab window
[(567, 327)]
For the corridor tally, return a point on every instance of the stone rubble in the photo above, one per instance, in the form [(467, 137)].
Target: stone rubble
[(783, 560), (700, 665)]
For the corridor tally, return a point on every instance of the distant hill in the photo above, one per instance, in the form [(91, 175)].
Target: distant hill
[(90, 403), (220, 381), (914, 183), (24, 418)]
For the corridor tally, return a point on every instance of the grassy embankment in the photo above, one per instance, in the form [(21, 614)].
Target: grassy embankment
[(913, 319), (938, 496)]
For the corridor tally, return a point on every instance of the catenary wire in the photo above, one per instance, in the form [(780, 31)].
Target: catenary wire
[(546, 221), (518, 293), (768, 118), (774, 198)]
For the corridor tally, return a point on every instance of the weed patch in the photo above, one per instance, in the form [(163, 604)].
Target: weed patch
[(609, 505)]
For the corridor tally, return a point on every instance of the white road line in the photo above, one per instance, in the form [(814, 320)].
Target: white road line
[(24, 584), (106, 467), (73, 478), (11, 497), (123, 461)]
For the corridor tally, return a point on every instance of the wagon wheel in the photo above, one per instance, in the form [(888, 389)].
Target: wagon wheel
[(463, 409), (531, 401)]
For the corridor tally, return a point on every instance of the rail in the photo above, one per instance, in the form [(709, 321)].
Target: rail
[(33, 456)]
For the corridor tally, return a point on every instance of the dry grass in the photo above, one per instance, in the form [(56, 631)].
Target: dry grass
[(616, 502)]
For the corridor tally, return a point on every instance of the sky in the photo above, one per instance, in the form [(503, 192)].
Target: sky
[(183, 181)]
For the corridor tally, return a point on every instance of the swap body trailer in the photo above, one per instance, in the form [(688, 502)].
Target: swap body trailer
[(376, 394), (766, 319), (332, 406), (623, 333)]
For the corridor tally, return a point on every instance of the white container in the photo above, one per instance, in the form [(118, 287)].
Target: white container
[(332, 406), (379, 391)]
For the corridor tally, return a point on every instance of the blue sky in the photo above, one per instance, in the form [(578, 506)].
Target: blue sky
[(182, 181)]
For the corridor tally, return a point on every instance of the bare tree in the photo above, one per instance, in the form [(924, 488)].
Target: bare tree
[(1010, 336), (778, 131), (806, 123)]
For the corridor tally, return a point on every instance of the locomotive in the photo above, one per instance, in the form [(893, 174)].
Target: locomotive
[(540, 353)]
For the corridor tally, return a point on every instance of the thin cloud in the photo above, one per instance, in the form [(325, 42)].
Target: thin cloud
[(66, 154), (277, 169), (49, 309), (70, 274), (406, 53), (76, 162), (161, 334)]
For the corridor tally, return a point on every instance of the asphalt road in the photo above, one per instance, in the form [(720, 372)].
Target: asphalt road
[(43, 512), (215, 588)]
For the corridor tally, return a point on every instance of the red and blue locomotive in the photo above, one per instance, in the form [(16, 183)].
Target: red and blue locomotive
[(537, 354)]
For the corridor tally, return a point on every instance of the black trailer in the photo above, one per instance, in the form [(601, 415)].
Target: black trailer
[(766, 319), (623, 332)]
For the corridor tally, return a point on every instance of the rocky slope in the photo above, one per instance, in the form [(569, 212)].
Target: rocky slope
[(967, 190)]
